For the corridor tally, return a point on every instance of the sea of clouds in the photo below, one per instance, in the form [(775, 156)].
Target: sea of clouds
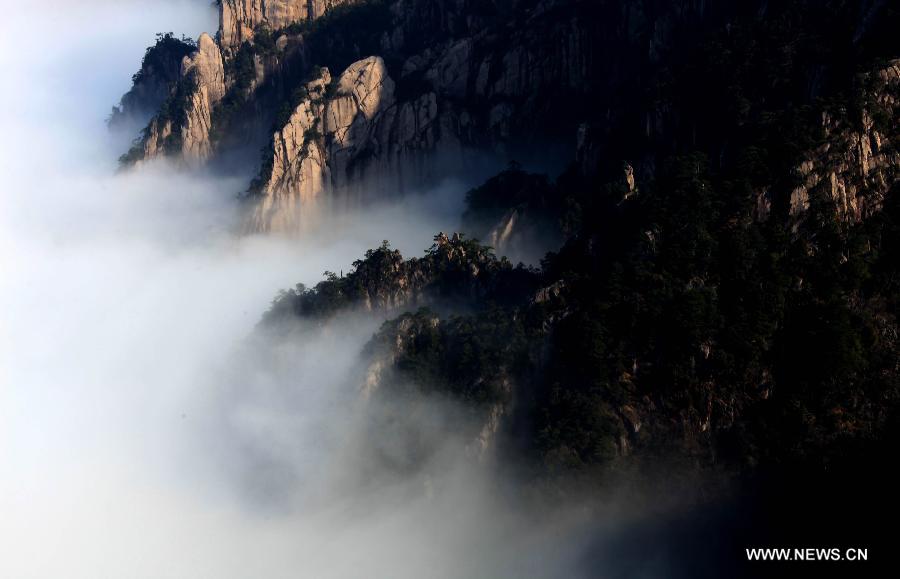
[(146, 431)]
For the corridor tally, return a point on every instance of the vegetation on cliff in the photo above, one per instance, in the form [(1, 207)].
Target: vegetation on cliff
[(727, 290), (680, 319), (154, 81), (670, 326), (452, 270)]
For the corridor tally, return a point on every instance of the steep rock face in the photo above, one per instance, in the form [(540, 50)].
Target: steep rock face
[(182, 127), (470, 76), (239, 18), (346, 133), (499, 235), (157, 135), (859, 160), (153, 83), (207, 69)]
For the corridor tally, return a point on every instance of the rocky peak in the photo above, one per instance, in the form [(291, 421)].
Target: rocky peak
[(181, 128), (154, 82), (206, 68)]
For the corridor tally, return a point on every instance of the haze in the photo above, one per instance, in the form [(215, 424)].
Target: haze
[(143, 431)]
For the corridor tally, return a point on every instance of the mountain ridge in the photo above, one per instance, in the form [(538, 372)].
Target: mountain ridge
[(725, 217)]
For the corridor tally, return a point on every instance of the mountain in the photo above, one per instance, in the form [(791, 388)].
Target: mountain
[(718, 289), (457, 79)]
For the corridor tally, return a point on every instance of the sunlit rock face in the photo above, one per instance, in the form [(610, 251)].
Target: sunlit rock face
[(209, 77), (457, 93), (239, 18), (201, 87), (326, 128), (348, 133), (859, 161), (153, 83), (438, 89)]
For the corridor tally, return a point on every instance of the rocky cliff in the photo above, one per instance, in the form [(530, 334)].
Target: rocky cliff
[(469, 76), (404, 342), (182, 127), (346, 135), (151, 85), (478, 75), (239, 19), (206, 70), (858, 161), (725, 290), (454, 274)]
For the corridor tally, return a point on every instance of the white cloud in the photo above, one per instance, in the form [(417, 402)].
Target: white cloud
[(135, 421)]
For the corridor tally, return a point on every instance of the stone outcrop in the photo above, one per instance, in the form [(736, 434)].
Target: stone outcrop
[(460, 93), (159, 73), (239, 18), (158, 134), (182, 128), (348, 132), (206, 69), (859, 160)]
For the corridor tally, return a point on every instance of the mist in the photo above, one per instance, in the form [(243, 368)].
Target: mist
[(146, 428), (143, 431)]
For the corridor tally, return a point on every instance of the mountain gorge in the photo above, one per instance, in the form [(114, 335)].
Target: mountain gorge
[(706, 192)]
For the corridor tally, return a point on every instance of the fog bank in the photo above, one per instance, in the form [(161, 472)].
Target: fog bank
[(143, 433)]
